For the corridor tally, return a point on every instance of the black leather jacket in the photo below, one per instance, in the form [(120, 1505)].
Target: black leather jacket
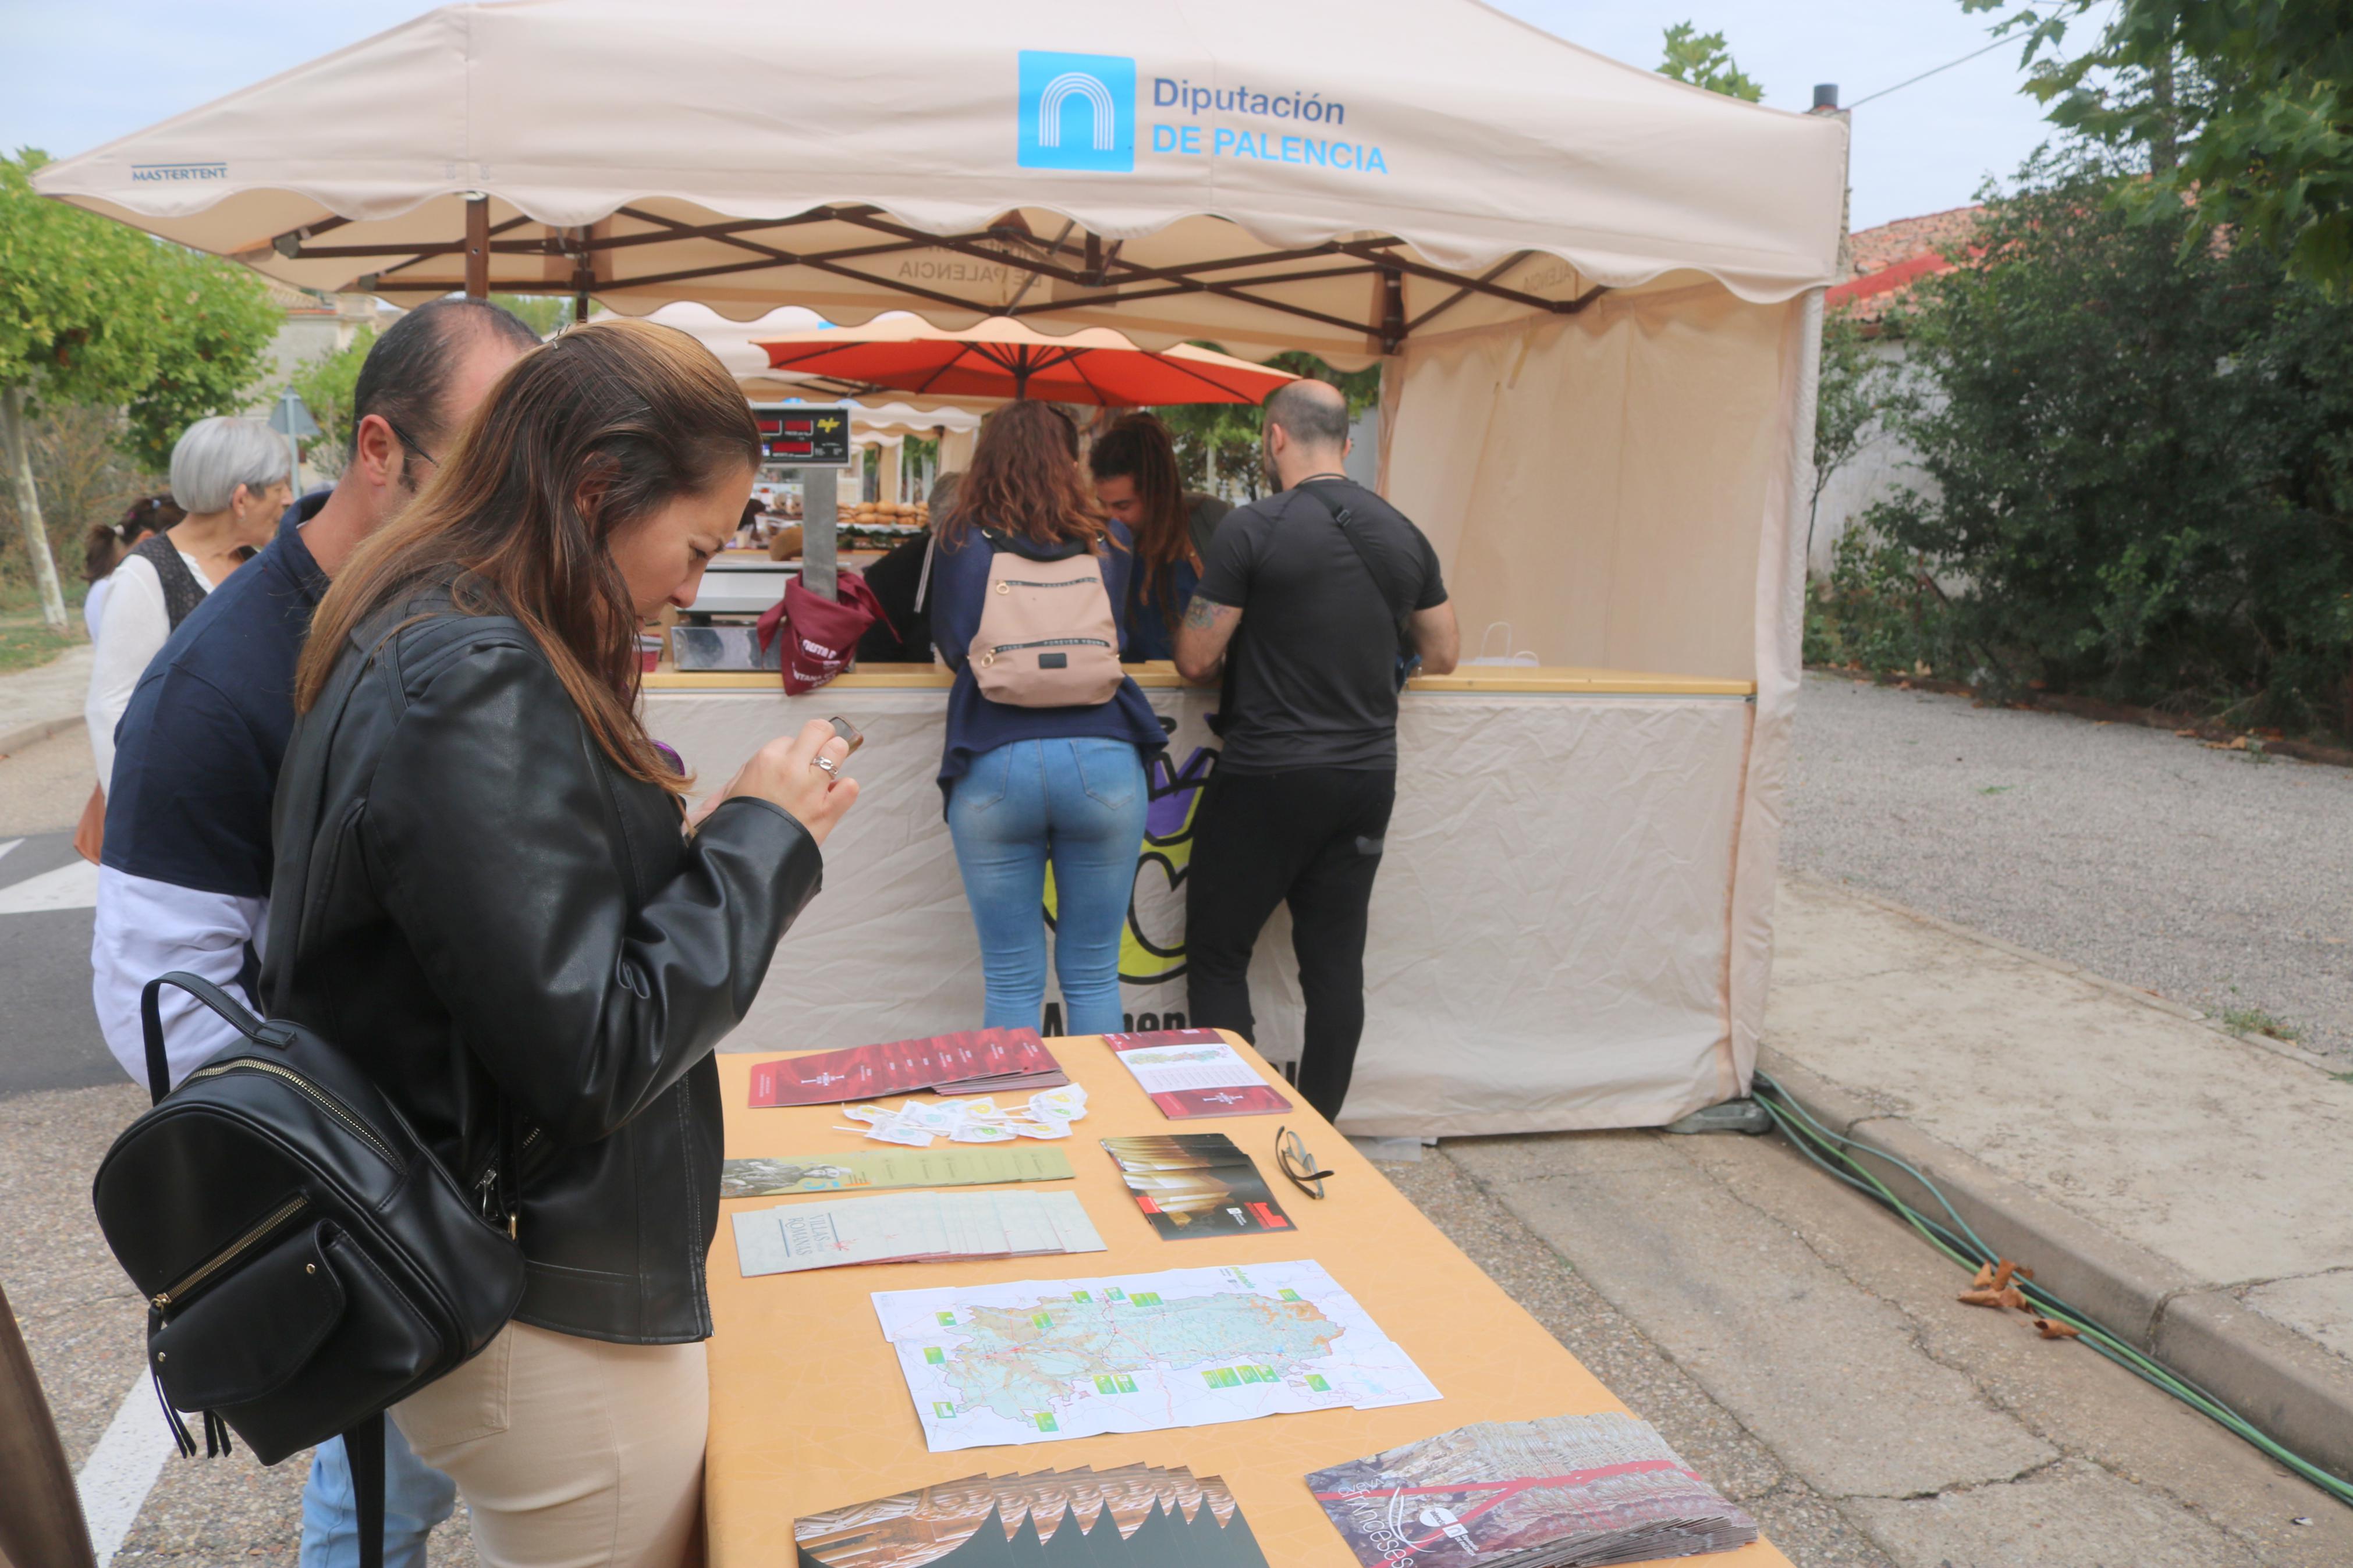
[(489, 912)]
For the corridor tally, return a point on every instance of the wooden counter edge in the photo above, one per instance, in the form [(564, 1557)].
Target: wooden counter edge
[(1508, 678)]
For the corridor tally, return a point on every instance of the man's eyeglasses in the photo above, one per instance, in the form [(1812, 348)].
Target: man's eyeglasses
[(409, 441), (1298, 1163)]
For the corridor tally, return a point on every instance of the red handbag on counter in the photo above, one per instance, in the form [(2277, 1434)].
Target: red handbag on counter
[(820, 634)]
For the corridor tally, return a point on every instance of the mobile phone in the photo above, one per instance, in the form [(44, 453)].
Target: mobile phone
[(849, 733)]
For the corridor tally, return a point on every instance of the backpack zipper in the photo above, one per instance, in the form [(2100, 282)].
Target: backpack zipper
[(311, 1091), (1005, 584), (990, 656), (162, 1301)]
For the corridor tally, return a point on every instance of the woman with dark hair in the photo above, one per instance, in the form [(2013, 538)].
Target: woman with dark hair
[(495, 902), (108, 543), (1135, 466), (1027, 786)]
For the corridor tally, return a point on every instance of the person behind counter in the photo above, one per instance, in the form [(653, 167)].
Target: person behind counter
[(1026, 785), (902, 584), (1135, 466), (503, 912)]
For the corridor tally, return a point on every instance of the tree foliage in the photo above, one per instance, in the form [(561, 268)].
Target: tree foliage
[(94, 313), (1853, 384), (327, 384), (2244, 109), (1217, 443), (2141, 445), (85, 474), (1704, 60), (77, 296), (545, 314), (215, 328)]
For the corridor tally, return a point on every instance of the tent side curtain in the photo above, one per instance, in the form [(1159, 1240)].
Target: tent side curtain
[(1603, 483)]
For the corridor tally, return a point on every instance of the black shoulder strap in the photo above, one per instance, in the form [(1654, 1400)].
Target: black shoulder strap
[(363, 1451), (1399, 607)]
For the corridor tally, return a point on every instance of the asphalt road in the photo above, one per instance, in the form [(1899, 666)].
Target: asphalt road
[(2218, 879), (52, 1037)]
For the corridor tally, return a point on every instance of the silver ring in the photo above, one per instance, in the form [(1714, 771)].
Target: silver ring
[(827, 763)]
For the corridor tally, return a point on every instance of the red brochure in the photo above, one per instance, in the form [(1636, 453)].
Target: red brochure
[(975, 1061)]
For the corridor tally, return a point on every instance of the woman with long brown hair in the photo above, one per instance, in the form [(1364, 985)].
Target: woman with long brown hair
[(488, 893), (1045, 736)]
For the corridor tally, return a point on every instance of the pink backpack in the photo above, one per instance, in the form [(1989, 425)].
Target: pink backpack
[(1047, 637)]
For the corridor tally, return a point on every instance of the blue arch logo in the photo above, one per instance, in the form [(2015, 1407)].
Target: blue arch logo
[(1078, 111)]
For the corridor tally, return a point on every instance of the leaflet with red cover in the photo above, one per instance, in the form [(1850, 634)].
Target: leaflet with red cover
[(1194, 1073), (975, 1061)]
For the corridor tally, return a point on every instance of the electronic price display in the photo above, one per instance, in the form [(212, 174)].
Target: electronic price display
[(805, 435)]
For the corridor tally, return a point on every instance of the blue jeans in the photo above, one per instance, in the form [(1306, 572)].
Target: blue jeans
[(1078, 804), (415, 1500)]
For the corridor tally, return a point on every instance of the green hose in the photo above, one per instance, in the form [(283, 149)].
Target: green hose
[(1840, 1156)]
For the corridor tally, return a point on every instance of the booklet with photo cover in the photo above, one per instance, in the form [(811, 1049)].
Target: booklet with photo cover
[(1196, 1183), (1139, 1514)]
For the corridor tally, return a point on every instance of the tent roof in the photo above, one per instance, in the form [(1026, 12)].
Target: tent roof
[(1311, 174)]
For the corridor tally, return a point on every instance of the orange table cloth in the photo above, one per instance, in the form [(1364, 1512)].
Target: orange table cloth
[(808, 1410)]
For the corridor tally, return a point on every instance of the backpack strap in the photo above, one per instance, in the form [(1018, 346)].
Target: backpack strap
[(1400, 604), (232, 1011), (363, 1451)]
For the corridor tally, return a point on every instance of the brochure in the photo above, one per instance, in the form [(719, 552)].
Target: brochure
[(1195, 1073), (1566, 1492), (1195, 1184), (976, 1062)]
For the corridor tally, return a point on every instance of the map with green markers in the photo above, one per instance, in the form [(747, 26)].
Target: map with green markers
[(1041, 1360)]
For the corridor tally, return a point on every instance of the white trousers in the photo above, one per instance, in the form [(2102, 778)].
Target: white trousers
[(571, 1453)]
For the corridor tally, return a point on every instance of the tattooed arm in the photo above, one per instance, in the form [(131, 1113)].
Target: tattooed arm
[(1202, 636)]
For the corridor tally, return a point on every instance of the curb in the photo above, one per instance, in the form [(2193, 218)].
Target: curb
[(2298, 1392), (25, 735)]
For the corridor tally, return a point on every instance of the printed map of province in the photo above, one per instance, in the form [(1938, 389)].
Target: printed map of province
[(1018, 1363), (1041, 1360)]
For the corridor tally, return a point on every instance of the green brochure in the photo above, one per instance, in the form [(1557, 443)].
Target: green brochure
[(855, 1169)]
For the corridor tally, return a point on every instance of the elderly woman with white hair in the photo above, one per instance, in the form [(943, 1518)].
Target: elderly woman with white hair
[(231, 477)]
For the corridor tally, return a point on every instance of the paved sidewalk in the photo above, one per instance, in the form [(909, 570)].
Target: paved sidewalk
[(46, 697), (2184, 1185)]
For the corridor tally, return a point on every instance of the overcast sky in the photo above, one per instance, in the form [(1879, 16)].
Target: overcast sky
[(76, 73)]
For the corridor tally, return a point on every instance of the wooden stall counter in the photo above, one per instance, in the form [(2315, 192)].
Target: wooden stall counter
[(1160, 676), (810, 1411)]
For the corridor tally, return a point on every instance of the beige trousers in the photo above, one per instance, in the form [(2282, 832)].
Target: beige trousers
[(571, 1453)]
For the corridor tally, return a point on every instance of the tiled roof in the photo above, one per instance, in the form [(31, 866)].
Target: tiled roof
[(1889, 258)]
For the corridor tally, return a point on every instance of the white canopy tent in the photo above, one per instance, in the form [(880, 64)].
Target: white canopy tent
[(1594, 292)]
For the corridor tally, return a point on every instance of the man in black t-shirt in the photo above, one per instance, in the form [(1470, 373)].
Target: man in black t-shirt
[(1311, 596)]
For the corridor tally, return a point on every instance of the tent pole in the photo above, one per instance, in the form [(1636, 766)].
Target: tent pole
[(478, 247)]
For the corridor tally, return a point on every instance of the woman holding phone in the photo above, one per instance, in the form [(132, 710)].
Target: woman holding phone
[(508, 920)]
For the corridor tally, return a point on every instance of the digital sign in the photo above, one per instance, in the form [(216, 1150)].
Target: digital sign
[(805, 435)]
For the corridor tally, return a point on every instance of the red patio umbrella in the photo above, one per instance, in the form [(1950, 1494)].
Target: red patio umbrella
[(1002, 358)]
